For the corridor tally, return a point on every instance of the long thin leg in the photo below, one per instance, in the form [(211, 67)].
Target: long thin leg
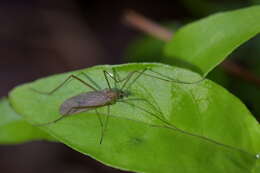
[(144, 100), (115, 76), (59, 86), (105, 123), (169, 79), (137, 77), (152, 114), (91, 80), (105, 74), (107, 117), (153, 100), (128, 77), (69, 112), (102, 126), (166, 78), (51, 122), (173, 127), (61, 117)]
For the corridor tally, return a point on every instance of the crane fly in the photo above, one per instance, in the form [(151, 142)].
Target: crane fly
[(97, 98)]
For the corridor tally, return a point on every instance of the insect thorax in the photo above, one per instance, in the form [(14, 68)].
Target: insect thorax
[(114, 94)]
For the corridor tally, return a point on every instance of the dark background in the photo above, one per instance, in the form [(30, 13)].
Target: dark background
[(43, 37)]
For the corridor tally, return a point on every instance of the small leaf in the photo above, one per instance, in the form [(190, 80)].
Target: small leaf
[(204, 44), (216, 132), (13, 129)]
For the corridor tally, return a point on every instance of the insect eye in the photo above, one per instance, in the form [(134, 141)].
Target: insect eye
[(121, 95)]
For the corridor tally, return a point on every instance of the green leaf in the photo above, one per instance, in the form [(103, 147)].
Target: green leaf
[(146, 48), (215, 132), (205, 7), (202, 45), (13, 129)]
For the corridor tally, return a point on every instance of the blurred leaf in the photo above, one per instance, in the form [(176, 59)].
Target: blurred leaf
[(249, 93), (219, 76), (206, 7), (13, 129), (146, 48), (248, 57), (204, 44), (218, 133), (255, 1)]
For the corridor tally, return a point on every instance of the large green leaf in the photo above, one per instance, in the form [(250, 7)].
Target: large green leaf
[(13, 129), (218, 133), (204, 44)]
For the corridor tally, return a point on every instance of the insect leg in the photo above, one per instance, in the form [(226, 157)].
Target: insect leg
[(173, 127), (169, 79), (105, 74), (135, 79), (105, 123), (51, 122), (102, 126), (117, 79), (91, 80), (69, 112), (114, 77), (144, 100), (59, 86), (151, 113)]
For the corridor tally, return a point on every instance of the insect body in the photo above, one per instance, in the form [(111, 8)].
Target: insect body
[(97, 98), (106, 97), (91, 100)]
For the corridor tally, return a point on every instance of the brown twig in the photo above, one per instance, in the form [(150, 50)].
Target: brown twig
[(240, 72), (145, 25), (139, 22)]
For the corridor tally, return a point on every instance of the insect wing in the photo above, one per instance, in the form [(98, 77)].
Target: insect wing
[(84, 102)]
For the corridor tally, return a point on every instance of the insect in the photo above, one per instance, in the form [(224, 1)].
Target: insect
[(97, 98)]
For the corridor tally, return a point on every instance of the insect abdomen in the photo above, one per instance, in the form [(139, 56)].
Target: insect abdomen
[(84, 102)]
